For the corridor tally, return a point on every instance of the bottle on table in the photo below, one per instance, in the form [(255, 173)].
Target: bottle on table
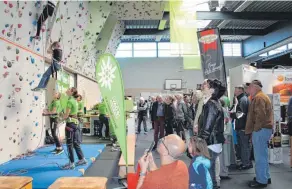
[(277, 138)]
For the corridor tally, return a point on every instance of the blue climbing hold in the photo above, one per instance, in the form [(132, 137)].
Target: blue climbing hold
[(38, 49), (34, 23), (31, 83), (32, 60), (36, 124), (31, 39), (36, 98), (34, 135), (6, 25), (30, 111), (39, 75), (73, 29)]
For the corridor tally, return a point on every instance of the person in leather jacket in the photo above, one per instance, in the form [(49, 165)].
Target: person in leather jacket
[(211, 122), (169, 115)]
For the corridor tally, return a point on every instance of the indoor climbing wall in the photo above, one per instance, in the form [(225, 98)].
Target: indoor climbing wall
[(138, 10), (115, 39), (78, 24), (21, 122)]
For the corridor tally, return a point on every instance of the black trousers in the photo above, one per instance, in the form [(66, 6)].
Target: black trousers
[(169, 127), (73, 141), (103, 121), (180, 128), (140, 120), (54, 127), (48, 11)]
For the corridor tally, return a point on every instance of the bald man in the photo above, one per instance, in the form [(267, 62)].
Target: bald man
[(173, 173)]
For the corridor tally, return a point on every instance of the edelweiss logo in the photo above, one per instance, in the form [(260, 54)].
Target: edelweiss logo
[(208, 39), (284, 78), (115, 108)]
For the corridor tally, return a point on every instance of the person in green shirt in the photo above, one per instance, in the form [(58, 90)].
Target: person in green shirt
[(53, 111), (80, 113), (72, 130), (103, 118)]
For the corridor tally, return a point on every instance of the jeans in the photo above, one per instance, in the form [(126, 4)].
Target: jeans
[(158, 129), (46, 76), (103, 121), (260, 141), (244, 147), (214, 157), (72, 133), (54, 127), (140, 120)]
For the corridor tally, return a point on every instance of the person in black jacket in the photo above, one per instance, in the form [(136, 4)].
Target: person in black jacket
[(142, 115), (169, 115), (158, 115), (211, 122), (240, 116)]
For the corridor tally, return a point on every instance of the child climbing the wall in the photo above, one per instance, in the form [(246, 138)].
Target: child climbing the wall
[(48, 11), (57, 53), (54, 111), (72, 131)]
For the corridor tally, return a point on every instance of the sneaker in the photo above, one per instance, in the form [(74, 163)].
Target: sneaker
[(54, 151), (68, 166), (81, 162), (58, 152), (269, 180)]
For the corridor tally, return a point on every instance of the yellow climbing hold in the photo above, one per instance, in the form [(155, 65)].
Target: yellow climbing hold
[(82, 171)]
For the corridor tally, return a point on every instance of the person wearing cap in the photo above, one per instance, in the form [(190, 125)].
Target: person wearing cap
[(240, 116), (259, 124)]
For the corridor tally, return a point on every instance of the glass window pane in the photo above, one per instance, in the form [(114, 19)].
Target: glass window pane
[(164, 46), (123, 54), (264, 55), (125, 46), (227, 49), (290, 46), (167, 53), (146, 53), (144, 46)]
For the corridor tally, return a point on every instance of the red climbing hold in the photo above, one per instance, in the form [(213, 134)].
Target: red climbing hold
[(3, 32), (17, 58), (13, 85), (5, 67), (10, 5), (19, 25), (0, 96), (5, 2), (17, 89)]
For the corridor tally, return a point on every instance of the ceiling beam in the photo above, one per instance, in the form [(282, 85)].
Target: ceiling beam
[(222, 32), (207, 15)]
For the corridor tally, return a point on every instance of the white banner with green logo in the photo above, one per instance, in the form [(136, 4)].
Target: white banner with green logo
[(109, 78)]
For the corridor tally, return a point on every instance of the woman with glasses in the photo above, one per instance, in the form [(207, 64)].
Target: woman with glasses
[(199, 174)]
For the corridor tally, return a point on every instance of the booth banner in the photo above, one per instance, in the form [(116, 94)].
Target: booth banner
[(283, 86), (109, 78), (212, 59)]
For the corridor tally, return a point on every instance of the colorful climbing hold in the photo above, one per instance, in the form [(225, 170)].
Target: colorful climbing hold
[(36, 124), (17, 89), (30, 13), (32, 60), (3, 32), (36, 98), (9, 64), (30, 111), (31, 83), (10, 5), (0, 96), (6, 25), (39, 75), (17, 58), (5, 117), (17, 51), (5, 2), (19, 25), (34, 23)]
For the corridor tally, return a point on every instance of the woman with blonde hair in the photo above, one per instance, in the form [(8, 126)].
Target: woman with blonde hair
[(199, 175)]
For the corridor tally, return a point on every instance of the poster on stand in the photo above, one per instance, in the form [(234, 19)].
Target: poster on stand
[(212, 59), (283, 86)]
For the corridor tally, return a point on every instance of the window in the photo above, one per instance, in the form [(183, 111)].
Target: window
[(290, 46), (232, 49), (263, 55), (278, 50), (167, 49), (145, 49), (125, 50)]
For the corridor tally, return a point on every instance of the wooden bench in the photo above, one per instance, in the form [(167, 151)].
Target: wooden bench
[(79, 183), (15, 182), (131, 142)]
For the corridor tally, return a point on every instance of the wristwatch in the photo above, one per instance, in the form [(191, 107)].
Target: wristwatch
[(142, 174)]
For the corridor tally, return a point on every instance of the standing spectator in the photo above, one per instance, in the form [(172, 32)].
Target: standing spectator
[(199, 175), (200, 103), (180, 115), (142, 115), (240, 116), (169, 115), (153, 99), (211, 122), (260, 124), (158, 114), (173, 173), (189, 120), (289, 115)]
